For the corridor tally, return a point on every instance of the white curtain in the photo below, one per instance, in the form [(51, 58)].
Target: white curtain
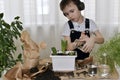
[(106, 15), (44, 20)]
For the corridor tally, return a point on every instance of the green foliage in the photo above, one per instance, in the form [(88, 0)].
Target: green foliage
[(112, 48), (63, 50), (63, 45), (54, 51), (9, 32), (72, 53)]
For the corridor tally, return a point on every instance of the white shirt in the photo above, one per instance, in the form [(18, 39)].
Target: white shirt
[(79, 27)]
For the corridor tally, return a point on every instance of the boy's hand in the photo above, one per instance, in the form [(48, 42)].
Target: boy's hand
[(89, 44), (80, 42)]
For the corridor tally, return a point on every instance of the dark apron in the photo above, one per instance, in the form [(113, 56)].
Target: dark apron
[(76, 35)]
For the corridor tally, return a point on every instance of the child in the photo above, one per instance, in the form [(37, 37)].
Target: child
[(80, 32)]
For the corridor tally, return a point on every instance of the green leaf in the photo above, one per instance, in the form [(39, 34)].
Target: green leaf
[(54, 51), (6, 25), (19, 25), (64, 45), (19, 56), (1, 15), (17, 17)]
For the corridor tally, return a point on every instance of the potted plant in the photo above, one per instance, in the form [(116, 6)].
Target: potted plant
[(109, 53), (63, 60), (8, 33)]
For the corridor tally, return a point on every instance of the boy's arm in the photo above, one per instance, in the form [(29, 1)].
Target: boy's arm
[(89, 42), (98, 38)]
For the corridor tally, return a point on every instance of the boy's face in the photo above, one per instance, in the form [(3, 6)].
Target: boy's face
[(71, 12)]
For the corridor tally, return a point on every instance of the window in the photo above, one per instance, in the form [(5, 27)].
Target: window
[(42, 7), (1, 6), (36, 12), (115, 12), (90, 9)]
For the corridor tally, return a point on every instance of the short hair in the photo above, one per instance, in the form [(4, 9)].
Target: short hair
[(80, 5)]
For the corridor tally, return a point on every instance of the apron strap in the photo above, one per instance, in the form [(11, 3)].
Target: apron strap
[(70, 24), (86, 24)]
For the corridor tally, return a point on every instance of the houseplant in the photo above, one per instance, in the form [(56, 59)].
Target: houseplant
[(8, 33), (112, 50), (63, 60), (63, 50)]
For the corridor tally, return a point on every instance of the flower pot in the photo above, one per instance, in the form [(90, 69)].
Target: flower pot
[(63, 62)]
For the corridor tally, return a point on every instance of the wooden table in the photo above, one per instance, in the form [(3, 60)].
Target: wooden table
[(73, 75)]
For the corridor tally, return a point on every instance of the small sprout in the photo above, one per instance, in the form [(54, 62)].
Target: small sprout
[(54, 51), (63, 45)]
